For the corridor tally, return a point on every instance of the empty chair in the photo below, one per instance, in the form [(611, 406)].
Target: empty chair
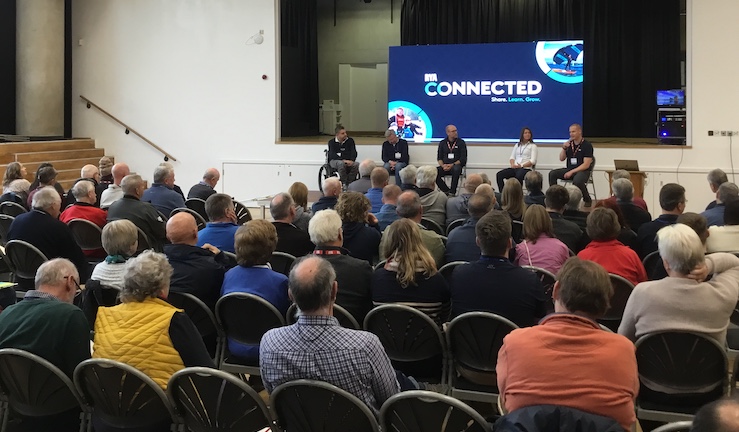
[(203, 318), (281, 262), (345, 319), (87, 235), (307, 405), (11, 209), (419, 410), (24, 259), (197, 205), (5, 222), (433, 226), (622, 289), (199, 220), (212, 400), (454, 224)]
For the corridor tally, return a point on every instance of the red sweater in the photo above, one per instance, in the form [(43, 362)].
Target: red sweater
[(615, 258), (90, 213)]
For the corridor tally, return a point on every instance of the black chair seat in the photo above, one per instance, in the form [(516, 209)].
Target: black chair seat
[(240, 361)]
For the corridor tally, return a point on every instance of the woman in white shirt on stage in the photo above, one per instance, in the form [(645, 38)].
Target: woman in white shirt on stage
[(523, 159)]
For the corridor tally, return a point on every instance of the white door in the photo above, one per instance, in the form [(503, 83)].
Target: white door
[(363, 95)]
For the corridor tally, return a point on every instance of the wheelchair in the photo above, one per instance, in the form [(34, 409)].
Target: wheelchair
[(326, 171)]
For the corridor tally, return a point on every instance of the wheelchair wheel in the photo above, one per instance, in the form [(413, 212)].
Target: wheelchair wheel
[(325, 172)]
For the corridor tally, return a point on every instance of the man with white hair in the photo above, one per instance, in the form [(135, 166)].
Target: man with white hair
[(207, 185), (331, 191), (84, 208), (161, 194), (716, 177), (623, 174), (290, 239), (42, 228), (634, 215), (114, 191), (408, 178), (364, 183), (715, 216), (89, 173), (433, 200), (353, 275), (142, 214)]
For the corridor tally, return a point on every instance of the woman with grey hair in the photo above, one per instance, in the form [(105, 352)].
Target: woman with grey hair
[(120, 241), (145, 331)]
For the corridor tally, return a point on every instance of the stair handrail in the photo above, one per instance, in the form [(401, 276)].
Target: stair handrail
[(129, 129)]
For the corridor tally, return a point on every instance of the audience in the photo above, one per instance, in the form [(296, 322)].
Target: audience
[(626, 236), (84, 207), (715, 178), (718, 416), (698, 223), (15, 185), (46, 176), (587, 368), (174, 186), (725, 238), (432, 199), (637, 201), (290, 239), (363, 183), (566, 231), (487, 189), (105, 166), (461, 244), (14, 171), (410, 275), (379, 179), (634, 215), (361, 233), (331, 191), (409, 207), (114, 192), (37, 182), (685, 301), (456, 207), (90, 174), (352, 274), (540, 248), (317, 347), (206, 187), (142, 214), (161, 194), (572, 210), (533, 182), (672, 200), (512, 199), (715, 215), (221, 229), (120, 241), (493, 283), (606, 250), (299, 192), (387, 213), (408, 178), (255, 242)]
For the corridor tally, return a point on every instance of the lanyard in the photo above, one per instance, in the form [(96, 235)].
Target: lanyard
[(522, 149), (326, 252), (451, 147), (575, 149)]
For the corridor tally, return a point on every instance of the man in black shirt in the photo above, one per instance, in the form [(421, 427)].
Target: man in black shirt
[(578, 153), (394, 154), (451, 157), (342, 155)]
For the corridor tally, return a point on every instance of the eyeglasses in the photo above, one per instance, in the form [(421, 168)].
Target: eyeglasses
[(77, 284)]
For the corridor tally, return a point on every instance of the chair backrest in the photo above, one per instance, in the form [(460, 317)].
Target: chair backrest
[(11, 209), (281, 262), (198, 312), (307, 405), (654, 266), (380, 264), (199, 220), (432, 225), (242, 213), (419, 410), (24, 258), (547, 280), (35, 387), (144, 242), (96, 295), (681, 363), (517, 230), (622, 289), (197, 205), (455, 224), (681, 426), (5, 222), (121, 395), (212, 400), (87, 235), (245, 318), (447, 269), (474, 339), (345, 319)]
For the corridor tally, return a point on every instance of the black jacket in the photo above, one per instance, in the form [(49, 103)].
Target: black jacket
[(353, 276), (143, 215), (342, 151), (292, 240), (197, 271), (324, 203), (362, 241), (200, 190)]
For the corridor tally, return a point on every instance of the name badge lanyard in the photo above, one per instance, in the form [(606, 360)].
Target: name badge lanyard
[(451, 148), (521, 150)]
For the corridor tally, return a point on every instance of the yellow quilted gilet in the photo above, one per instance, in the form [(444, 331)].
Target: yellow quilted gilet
[(138, 334)]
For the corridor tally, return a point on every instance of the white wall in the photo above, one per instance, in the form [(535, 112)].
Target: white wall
[(181, 73)]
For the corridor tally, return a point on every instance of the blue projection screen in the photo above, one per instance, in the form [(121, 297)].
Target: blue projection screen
[(489, 91)]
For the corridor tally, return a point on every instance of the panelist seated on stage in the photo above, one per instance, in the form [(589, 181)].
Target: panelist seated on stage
[(578, 153), (452, 157), (523, 158), (394, 154), (342, 155)]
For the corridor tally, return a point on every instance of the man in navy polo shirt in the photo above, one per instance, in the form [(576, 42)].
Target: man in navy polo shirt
[(451, 157), (578, 153)]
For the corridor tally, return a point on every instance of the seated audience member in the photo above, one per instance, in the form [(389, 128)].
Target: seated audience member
[(47, 324), (175, 187), (45, 176), (684, 301), (145, 331), (540, 248), (394, 154), (299, 192), (432, 199), (379, 179), (461, 244), (606, 250), (361, 233), (142, 214), (512, 200), (290, 239), (331, 191), (15, 184), (725, 238), (627, 236), (493, 283), (221, 229), (387, 213), (206, 187), (715, 215), (120, 241), (352, 360), (114, 192), (408, 178), (634, 215), (352, 274), (718, 416), (698, 223), (105, 166), (637, 201), (410, 276), (363, 183), (672, 200), (566, 231), (90, 174), (409, 207), (14, 171), (456, 207), (487, 189), (571, 341), (572, 208), (42, 228), (161, 193), (255, 242), (533, 182), (36, 182), (196, 270), (716, 178), (84, 208)]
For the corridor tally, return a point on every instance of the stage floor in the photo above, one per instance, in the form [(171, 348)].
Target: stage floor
[(377, 138)]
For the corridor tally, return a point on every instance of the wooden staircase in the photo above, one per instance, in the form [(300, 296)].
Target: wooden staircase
[(67, 156)]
